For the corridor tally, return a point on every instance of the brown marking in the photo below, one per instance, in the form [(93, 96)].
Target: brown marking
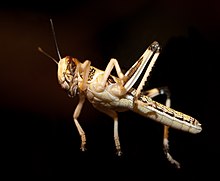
[(151, 114), (91, 73), (132, 70)]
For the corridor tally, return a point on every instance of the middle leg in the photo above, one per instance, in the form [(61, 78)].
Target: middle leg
[(114, 116)]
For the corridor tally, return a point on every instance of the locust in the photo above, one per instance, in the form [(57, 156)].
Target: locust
[(112, 94)]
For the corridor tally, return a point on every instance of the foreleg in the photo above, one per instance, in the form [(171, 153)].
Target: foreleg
[(84, 70), (75, 117), (153, 93)]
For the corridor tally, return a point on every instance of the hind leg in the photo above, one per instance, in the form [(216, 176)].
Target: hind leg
[(153, 93)]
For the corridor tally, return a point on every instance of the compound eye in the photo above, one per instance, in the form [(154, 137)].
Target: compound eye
[(72, 67)]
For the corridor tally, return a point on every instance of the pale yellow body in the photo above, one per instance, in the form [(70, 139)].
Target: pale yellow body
[(111, 94)]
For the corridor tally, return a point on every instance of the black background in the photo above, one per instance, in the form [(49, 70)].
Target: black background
[(41, 140)]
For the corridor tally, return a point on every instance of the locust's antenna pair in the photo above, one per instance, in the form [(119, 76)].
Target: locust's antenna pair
[(56, 45)]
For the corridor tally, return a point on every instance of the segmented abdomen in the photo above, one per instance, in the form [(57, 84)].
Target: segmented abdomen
[(154, 110), (167, 116)]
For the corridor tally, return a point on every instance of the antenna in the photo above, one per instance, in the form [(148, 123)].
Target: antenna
[(55, 40), (42, 51)]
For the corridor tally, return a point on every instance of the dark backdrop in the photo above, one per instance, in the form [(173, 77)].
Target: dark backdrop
[(40, 138)]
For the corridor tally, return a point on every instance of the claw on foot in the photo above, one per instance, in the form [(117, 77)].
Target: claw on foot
[(83, 147), (171, 160), (119, 152), (169, 157)]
